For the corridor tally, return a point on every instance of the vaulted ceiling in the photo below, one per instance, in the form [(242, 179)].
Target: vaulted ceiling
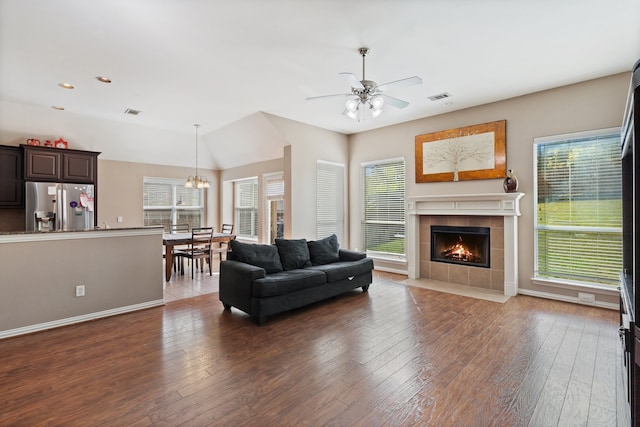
[(219, 63)]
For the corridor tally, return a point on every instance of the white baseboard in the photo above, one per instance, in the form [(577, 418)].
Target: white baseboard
[(77, 319), (601, 304), (391, 270)]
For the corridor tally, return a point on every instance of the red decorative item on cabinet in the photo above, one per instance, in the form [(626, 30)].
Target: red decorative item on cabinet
[(60, 143)]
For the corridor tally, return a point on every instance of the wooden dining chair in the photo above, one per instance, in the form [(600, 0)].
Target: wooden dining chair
[(223, 247), (178, 228), (199, 249)]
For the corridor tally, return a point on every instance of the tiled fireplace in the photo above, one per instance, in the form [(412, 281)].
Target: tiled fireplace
[(497, 212)]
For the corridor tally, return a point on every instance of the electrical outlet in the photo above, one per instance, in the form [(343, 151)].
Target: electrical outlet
[(80, 290), (119, 219)]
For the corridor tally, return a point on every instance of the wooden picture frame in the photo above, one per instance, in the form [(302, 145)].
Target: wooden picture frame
[(466, 153)]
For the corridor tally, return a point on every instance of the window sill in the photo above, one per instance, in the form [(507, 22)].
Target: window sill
[(576, 286)]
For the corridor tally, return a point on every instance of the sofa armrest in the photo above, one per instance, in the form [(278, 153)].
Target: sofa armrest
[(236, 282), (348, 255)]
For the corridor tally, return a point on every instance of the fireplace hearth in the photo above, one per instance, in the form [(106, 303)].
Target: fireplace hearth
[(461, 245)]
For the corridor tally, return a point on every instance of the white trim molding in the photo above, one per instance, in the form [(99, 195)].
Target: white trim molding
[(506, 205), (77, 319), (566, 298)]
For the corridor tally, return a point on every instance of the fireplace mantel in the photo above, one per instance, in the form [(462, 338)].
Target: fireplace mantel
[(493, 204), (506, 205)]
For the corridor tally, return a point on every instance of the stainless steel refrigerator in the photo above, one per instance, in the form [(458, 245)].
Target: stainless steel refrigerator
[(54, 206)]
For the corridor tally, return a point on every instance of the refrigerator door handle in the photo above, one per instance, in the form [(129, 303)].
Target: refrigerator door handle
[(62, 207), (54, 209)]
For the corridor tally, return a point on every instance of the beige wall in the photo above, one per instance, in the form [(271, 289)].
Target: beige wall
[(308, 144), (228, 176), (120, 191), (120, 269), (585, 106), (305, 146), (595, 104)]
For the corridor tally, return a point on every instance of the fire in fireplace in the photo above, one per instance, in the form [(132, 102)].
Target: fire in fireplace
[(461, 245)]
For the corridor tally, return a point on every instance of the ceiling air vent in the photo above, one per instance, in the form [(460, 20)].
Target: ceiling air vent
[(439, 96), (132, 112)]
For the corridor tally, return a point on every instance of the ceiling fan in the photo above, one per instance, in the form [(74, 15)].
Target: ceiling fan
[(367, 95)]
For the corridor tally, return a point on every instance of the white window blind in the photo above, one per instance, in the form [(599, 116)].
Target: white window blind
[(274, 186), (579, 208), (384, 208), (329, 199), (166, 201), (246, 208)]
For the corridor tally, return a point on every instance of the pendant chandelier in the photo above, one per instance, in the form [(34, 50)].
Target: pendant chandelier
[(196, 181)]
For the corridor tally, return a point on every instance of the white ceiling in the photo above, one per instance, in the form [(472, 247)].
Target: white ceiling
[(218, 63)]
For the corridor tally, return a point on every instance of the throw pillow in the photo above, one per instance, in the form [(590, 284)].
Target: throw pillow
[(293, 253), (265, 256), (324, 251)]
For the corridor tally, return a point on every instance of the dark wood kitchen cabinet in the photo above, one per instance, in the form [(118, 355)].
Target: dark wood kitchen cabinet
[(42, 164), (79, 166), (11, 182), (60, 165)]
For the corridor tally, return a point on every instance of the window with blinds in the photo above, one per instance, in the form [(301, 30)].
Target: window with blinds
[(578, 226), (166, 201), (384, 208), (246, 208), (330, 200)]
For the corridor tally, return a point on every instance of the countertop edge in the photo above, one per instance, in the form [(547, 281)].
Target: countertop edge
[(79, 234)]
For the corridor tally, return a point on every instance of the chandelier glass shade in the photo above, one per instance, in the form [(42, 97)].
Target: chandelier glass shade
[(197, 181)]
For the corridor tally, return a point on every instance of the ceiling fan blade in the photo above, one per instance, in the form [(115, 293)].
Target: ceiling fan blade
[(353, 81), (311, 98), (398, 103), (410, 81)]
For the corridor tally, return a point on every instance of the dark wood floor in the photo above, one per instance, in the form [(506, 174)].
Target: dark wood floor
[(396, 356)]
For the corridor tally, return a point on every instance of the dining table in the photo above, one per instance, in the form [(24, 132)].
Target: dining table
[(169, 240)]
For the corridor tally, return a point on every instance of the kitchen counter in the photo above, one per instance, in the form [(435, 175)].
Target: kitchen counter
[(7, 233), (41, 236), (119, 268)]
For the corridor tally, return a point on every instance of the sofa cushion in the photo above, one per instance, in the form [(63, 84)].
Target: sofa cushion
[(324, 251), (286, 282), (265, 256), (344, 269), (294, 253)]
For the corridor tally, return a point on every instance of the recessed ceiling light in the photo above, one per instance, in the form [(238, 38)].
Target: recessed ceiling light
[(103, 79), (66, 85), (57, 107), (447, 104)]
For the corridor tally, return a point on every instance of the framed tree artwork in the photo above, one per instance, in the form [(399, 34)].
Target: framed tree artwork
[(470, 152)]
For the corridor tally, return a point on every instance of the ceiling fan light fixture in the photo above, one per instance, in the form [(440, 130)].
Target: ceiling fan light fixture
[(352, 105), (351, 108), (366, 98), (352, 114), (376, 103)]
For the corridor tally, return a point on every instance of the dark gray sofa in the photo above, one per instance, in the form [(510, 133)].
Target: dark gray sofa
[(263, 280)]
